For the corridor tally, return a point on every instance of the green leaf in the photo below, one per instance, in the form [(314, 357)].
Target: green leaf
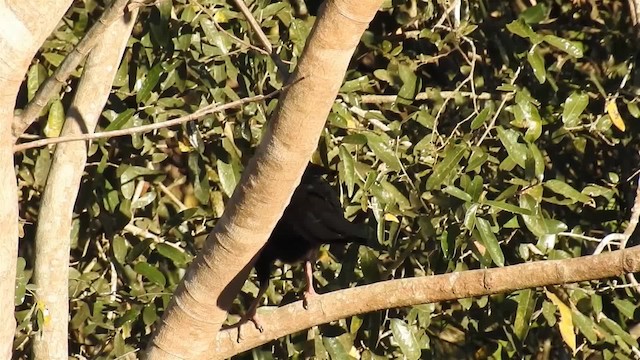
[(574, 107), (534, 14), (517, 151), (536, 61), (564, 45), (150, 82), (586, 326), (536, 223), (144, 200), (618, 330), (21, 281), (119, 248), (41, 171), (633, 109), (151, 273), (138, 250), (626, 307), (490, 241), (470, 216), (456, 192), (36, 75), (349, 173), (129, 316), (355, 139), (178, 256), (527, 116), (481, 118), (409, 89), (477, 159), (443, 170), (128, 173), (549, 312), (407, 342), (526, 305), (150, 314), (55, 120), (520, 28), (201, 186), (229, 175), (538, 161), (383, 151), (120, 120), (396, 196), (503, 205), (566, 190), (335, 348)]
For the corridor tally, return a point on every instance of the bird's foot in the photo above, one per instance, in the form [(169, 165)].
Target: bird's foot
[(308, 295), (249, 317)]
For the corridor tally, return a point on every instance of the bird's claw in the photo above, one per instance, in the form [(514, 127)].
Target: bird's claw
[(308, 295), (257, 323), (249, 318)]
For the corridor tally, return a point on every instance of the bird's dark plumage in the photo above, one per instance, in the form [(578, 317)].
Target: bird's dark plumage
[(313, 217)]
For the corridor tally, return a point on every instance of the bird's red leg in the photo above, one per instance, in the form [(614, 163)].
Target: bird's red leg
[(310, 291), (251, 314)]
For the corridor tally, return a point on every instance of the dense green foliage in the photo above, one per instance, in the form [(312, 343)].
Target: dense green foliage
[(456, 181)]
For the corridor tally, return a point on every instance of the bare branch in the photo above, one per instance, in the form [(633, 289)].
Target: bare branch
[(53, 232), (145, 128), (336, 305)]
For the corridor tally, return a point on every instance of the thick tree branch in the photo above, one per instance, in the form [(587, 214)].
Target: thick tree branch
[(336, 305)]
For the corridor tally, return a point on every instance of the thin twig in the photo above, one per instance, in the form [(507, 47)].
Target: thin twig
[(425, 95), (145, 128), (181, 206), (502, 104), (266, 44), (283, 69), (624, 237), (137, 231)]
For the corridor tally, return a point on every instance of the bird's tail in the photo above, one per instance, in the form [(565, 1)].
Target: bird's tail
[(338, 230)]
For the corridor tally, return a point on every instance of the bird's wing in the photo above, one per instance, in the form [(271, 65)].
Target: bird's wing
[(322, 220)]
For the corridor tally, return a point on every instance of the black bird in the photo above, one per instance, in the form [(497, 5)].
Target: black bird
[(313, 217)]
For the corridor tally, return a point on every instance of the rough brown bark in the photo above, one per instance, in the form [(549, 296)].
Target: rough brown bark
[(200, 304)]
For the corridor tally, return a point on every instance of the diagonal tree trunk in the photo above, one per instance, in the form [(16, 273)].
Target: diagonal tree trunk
[(200, 304)]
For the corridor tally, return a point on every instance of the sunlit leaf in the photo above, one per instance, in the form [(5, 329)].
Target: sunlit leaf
[(567, 331), (55, 120), (574, 107), (150, 272), (614, 115), (490, 241), (405, 338), (384, 150), (564, 45), (536, 61), (443, 170)]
